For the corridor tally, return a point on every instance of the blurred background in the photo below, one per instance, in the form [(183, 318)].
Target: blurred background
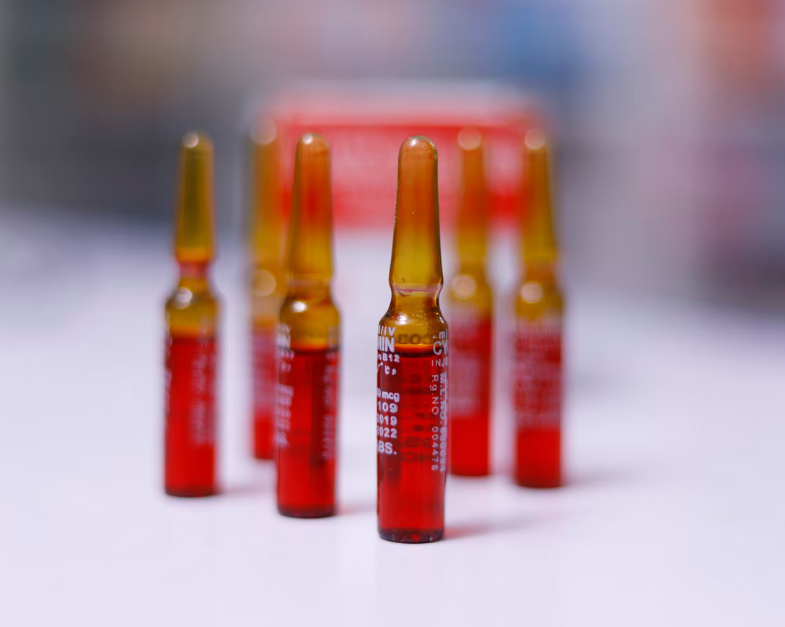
[(670, 114), (669, 128)]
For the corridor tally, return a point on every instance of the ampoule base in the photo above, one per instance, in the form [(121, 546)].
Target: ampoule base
[(539, 483), (191, 493), (470, 473), (411, 536), (538, 458), (473, 468), (307, 512), (263, 455)]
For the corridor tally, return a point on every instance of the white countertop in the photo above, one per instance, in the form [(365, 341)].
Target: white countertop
[(674, 512)]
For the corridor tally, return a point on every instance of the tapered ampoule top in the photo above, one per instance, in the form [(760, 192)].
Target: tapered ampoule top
[(416, 255), (194, 234), (537, 227), (473, 214), (310, 242), (266, 219)]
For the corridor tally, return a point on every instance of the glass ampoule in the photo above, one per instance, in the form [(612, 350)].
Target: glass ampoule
[(411, 394), (191, 333), (308, 346), (267, 283), (470, 315), (539, 306)]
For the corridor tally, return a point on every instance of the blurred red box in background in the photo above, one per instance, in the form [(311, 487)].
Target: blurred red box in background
[(367, 123)]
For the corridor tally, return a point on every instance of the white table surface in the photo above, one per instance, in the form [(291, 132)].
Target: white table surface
[(674, 513)]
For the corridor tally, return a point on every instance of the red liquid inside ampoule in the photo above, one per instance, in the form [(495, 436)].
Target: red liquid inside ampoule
[(190, 465), (470, 394), (306, 431), (265, 387), (538, 403), (411, 423)]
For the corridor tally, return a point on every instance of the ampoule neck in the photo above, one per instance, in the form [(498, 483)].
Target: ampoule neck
[(194, 275), (542, 272), (408, 298), (309, 288)]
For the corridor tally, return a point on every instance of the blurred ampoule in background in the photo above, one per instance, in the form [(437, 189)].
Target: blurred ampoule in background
[(267, 281)]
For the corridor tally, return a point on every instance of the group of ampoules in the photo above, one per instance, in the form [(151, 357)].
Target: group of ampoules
[(430, 418)]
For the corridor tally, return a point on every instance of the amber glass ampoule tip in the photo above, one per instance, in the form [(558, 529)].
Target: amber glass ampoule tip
[(194, 222), (416, 256), (416, 148), (313, 144), (265, 209), (535, 140), (264, 133), (470, 139), (538, 232), (310, 236), (417, 166), (196, 142)]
